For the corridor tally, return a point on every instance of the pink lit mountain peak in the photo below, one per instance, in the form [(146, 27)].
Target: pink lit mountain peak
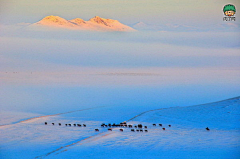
[(94, 24)]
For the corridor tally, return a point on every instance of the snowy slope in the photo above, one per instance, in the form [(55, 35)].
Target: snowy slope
[(186, 138), (94, 24)]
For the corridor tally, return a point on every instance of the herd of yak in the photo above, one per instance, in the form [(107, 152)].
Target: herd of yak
[(79, 125), (138, 128)]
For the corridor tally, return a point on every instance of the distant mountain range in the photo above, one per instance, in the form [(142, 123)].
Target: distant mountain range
[(94, 24), (101, 24), (230, 26)]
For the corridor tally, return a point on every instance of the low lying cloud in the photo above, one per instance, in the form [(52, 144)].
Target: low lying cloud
[(120, 76)]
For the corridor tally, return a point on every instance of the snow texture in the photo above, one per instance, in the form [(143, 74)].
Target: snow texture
[(24, 135)]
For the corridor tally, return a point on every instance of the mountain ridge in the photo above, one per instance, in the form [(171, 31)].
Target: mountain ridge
[(94, 24)]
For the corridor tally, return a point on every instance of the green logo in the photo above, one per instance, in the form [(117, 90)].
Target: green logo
[(229, 10)]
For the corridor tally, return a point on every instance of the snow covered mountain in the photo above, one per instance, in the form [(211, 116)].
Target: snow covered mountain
[(143, 26), (94, 24)]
